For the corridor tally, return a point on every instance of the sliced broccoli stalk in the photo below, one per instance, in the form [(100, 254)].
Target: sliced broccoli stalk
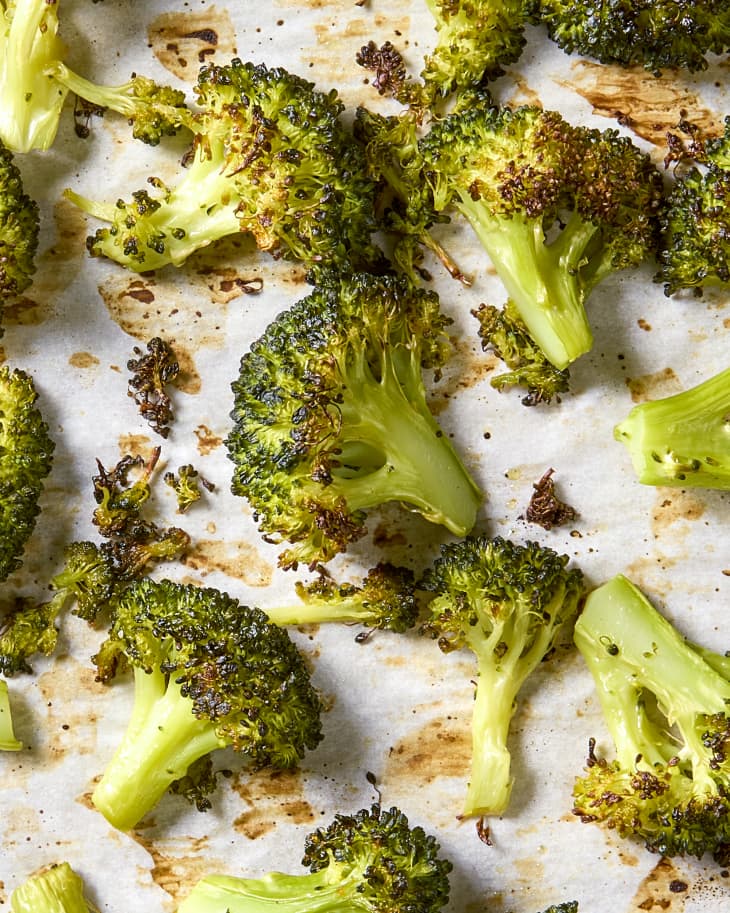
[(682, 440), (666, 710), (19, 228), (8, 742), (54, 889), (507, 603), (361, 863)]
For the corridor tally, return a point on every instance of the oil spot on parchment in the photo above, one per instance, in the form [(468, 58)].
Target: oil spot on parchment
[(674, 505), (440, 748), (271, 797), (523, 93), (177, 865), (647, 105), (236, 559), (69, 731), (467, 367), (654, 386), (663, 890), (83, 360), (136, 445), (208, 441), (184, 41)]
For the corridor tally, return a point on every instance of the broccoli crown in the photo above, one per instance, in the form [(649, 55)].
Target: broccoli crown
[(209, 673), (53, 889), (8, 742), (271, 158), (569, 906), (519, 174), (667, 712), (682, 440), (330, 417), (372, 862), (507, 603), (19, 226), (657, 34)]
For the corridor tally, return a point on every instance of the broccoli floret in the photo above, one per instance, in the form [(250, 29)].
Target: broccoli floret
[(19, 227), (370, 862), (209, 673), (682, 440), (272, 158), (666, 710), (330, 417), (8, 742), (569, 906), (384, 600), (557, 207), (507, 603), (186, 485), (54, 889), (656, 34), (695, 220)]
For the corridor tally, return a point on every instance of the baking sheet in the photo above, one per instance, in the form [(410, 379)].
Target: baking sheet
[(397, 708)]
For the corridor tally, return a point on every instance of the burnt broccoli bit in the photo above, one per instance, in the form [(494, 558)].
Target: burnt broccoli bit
[(508, 603), (557, 208), (391, 76), (666, 710), (209, 673), (655, 34), (19, 227), (55, 888), (371, 862), (330, 418), (151, 373), (545, 508), (271, 157)]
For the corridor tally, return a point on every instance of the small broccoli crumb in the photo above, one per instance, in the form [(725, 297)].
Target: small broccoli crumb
[(152, 372), (545, 508)]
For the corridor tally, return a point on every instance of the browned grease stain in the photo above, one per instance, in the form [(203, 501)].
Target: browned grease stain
[(674, 505), (661, 890), (523, 93), (654, 386), (83, 360), (441, 748), (271, 797), (649, 106), (177, 865), (136, 445), (236, 558), (207, 440), (67, 729), (467, 368), (182, 42)]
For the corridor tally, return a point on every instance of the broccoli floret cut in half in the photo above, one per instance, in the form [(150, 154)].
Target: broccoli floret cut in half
[(508, 604), (666, 710), (272, 158), (371, 862), (330, 418), (53, 889), (682, 440), (557, 208), (209, 673), (19, 227)]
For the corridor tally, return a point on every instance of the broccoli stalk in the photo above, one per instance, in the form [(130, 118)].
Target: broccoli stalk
[(666, 709), (8, 742), (363, 863), (208, 673), (54, 889), (682, 440), (507, 603)]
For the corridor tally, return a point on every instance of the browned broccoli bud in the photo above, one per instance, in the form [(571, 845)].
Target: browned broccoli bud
[(151, 373), (186, 485), (545, 508), (391, 77)]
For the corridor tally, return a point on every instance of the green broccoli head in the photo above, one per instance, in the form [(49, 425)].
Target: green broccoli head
[(507, 603), (209, 673), (19, 227), (656, 34), (271, 158), (330, 417), (372, 862), (53, 889), (666, 710), (557, 207)]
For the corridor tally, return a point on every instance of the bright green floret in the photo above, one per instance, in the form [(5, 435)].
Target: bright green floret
[(8, 742), (557, 208), (272, 158), (655, 34), (666, 710), (369, 862), (507, 603), (682, 440), (209, 673), (54, 889), (330, 418), (19, 227)]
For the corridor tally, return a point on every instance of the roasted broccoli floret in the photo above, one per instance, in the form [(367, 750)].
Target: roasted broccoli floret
[(330, 417), (695, 220), (186, 485), (569, 906), (151, 373), (384, 600), (666, 710), (271, 157), (507, 603), (8, 742), (209, 673), (54, 889), (19, 227), (656, 34), (369, 862), (682, 440), (557, 207)]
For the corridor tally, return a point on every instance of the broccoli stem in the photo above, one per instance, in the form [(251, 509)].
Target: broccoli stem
[(54, 889), (540, 277), (490, 781), (344, 609), (162, 740), (8, 742)]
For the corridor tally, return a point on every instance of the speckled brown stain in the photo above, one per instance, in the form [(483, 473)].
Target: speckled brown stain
[(177, 865), (83, 360), (663, 890), (440, 748), (654, 386), (672, 506), (271, 797), (208, 441), (183, 41), (238, 559)]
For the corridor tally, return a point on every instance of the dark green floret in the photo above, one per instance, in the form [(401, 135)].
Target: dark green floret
[(330, 418), (682, 440), (508, 604), (369, 862), (19, 227), (53, 889), (209, 673), (666, 710)]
